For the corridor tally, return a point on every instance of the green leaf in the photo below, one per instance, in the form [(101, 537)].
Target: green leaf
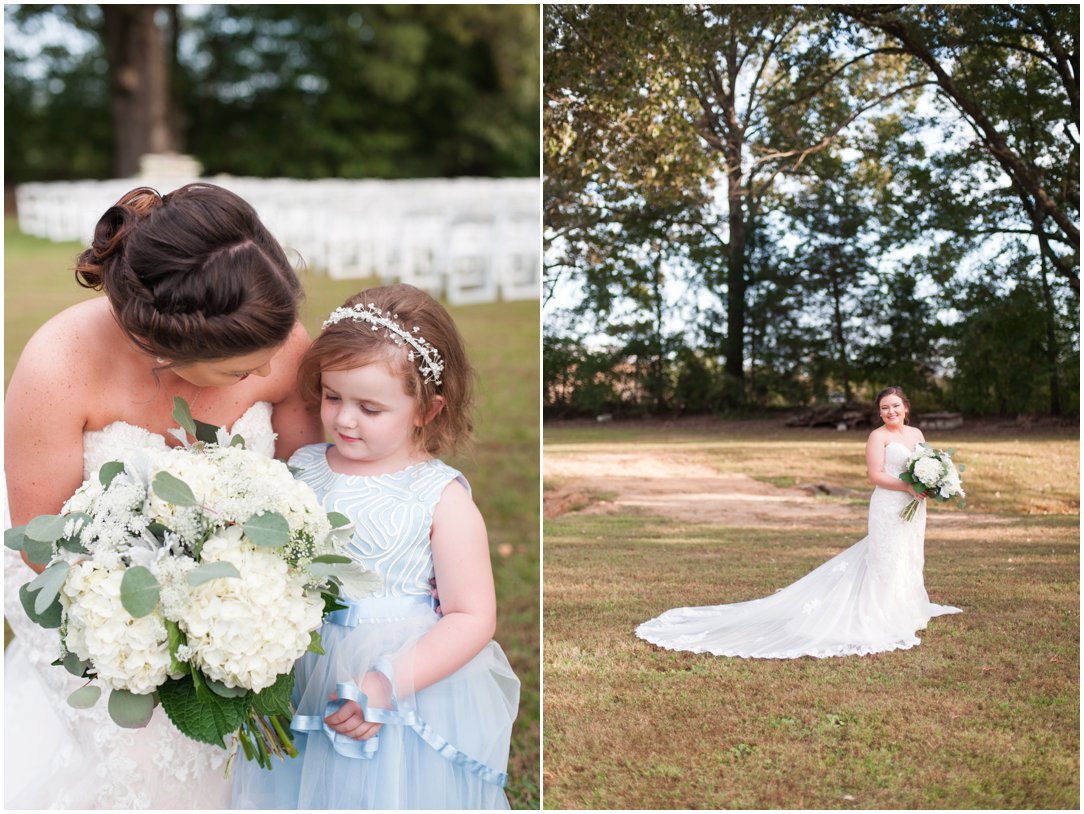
[(237, 441), (50, 618), (73, 544), (130, 710), (37, 552), (175, 638), (85, 697), (48, 584), (173, 490), (337, 520), (275, 700), (315, 644), (108, 471), (46, 528), (208, 433), (15, 538), (201, 714), (183, 416), (222, 691), (331, 558), (75, 665), (212, 570), (269, 529), (139, 591)]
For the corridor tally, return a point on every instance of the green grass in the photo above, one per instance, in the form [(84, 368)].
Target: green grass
[(983, 714), (502, 342)]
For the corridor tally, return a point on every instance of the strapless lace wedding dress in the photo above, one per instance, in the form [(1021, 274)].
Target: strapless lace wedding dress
[(867, 599), (59, 757)]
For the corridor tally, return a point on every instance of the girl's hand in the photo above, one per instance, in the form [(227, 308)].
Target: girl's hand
[(914, 494), (349, 719)]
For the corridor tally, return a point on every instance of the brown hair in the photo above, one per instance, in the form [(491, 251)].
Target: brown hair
[(894, 391), (193, 275), (348, 344)]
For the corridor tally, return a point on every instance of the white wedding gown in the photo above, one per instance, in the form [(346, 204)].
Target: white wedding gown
[(59, 757), (867, 599)]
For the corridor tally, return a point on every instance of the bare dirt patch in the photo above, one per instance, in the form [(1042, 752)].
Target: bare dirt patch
[(683, 487)]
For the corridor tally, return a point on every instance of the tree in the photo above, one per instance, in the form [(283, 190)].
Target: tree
[(1013, 73), (662, 103)]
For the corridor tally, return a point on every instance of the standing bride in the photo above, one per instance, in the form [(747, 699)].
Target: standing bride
[(868, 599), (200, 303)]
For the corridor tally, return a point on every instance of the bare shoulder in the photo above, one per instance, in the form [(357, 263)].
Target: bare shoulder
[(75, 345), (877, 437), (456, 506)]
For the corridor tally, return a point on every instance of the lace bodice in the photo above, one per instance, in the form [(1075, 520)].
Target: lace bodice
[(392, 514), (896, 455), (113, 440), (100, 764)]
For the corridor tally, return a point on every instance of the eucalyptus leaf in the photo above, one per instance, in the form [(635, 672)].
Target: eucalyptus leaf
[(48, 584), (269, 529), (85, 697), (46, 528), (15, 538), (331, 558), (50, 618), (337, 519), (139, 591), (222, 691), (212, 570), (237, 441), (75, 665), (183, 416), (108, 471), (130, 710), (173, 490), (37, 552)]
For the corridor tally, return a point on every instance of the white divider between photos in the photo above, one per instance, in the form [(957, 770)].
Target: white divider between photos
[(468, 239)]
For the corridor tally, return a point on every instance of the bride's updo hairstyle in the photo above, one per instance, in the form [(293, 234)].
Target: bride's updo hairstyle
[(350, 343), (193, 275), (893, 391)]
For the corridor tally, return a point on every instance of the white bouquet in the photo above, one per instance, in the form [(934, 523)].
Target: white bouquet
[(195, 578), (931, 472)]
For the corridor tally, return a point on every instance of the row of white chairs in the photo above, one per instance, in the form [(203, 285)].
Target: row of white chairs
[(468, 239)]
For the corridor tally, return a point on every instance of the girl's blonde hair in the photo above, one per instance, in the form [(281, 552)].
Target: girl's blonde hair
[(349, 343)]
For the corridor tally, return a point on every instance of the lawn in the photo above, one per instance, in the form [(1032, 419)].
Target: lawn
[(503, 468), (983, 714)]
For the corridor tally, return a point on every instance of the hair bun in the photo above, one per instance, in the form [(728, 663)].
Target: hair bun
[(110, 233)]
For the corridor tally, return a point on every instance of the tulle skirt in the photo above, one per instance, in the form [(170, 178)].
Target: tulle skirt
[(444, 747)]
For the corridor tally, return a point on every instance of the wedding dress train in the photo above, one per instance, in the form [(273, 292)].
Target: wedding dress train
[(59, 757), (867, 599)]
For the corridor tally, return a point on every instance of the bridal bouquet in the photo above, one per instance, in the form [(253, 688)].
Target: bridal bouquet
[(192, 577), (931, 472)]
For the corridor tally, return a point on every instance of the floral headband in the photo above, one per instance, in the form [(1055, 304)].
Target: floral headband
[(431, 366)]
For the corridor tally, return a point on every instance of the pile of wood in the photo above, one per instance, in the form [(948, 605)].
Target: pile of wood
[(845, 416)]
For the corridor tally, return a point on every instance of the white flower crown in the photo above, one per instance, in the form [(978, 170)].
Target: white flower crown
[(431, 366)]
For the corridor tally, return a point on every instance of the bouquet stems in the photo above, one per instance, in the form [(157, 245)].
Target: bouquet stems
[(909, 510)]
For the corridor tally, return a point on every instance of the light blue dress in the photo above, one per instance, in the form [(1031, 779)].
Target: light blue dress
[(444, 747)]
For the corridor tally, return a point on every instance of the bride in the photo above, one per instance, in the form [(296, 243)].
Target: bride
[(868, 599), (201, 303)]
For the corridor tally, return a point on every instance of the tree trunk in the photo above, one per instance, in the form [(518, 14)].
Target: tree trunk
[(1051, 343), (839, 333), (735, 271), (139, 85)]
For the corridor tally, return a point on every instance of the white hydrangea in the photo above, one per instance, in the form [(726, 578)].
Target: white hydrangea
[(246, 631), (128, 654), (929, 471)]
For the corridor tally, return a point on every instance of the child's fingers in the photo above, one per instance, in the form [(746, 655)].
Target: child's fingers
[(343, 714), (366, 731)]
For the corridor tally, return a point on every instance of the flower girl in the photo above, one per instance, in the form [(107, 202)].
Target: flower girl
[(408, 709)]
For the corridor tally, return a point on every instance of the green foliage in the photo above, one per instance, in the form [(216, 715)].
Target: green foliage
[(129, 710), (305, 91)]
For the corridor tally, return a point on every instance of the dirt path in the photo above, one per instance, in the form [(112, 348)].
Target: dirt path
[(684, 487)]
